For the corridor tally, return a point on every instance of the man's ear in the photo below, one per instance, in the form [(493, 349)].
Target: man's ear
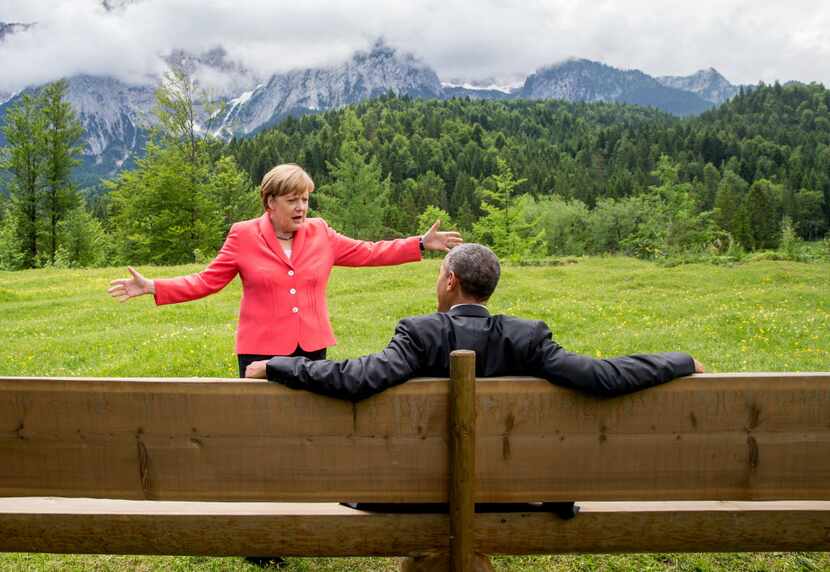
[(452, 282)]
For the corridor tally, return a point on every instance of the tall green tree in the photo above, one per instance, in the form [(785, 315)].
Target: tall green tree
[(230, 189), (83, 241), (760, 216), (730, 195), (505, 226), (809, 215), (676, 212), (613, 221), (356, 200), (178, 131), (427, 189), (61, 148), (23, 158), (159, 215), (10, 255), (709, 190), (164, 211), (566, 225)]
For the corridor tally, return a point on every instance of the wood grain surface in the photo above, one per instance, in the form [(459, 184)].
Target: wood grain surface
[(296, 529), (709, 437)]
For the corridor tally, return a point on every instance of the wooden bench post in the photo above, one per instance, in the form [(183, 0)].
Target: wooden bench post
[(462, 459)]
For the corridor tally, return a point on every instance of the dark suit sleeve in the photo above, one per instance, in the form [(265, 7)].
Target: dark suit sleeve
[(604, 376), (353, 379)]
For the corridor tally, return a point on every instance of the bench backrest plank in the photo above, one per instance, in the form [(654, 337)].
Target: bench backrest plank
[(731, 437)]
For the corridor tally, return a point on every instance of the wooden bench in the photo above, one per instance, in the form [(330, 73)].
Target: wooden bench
[(717, 462)]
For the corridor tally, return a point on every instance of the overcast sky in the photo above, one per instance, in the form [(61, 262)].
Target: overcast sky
[(747, 41)]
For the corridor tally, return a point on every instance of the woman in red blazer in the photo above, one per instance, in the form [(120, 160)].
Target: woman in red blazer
[(284, 260)]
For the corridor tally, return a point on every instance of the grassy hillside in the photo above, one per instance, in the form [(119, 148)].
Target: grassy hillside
[(760, 316)]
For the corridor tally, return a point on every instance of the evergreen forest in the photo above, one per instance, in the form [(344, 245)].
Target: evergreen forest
[(532, 179)]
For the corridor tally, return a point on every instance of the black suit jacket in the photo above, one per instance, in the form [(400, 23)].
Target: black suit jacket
[(504, 345)]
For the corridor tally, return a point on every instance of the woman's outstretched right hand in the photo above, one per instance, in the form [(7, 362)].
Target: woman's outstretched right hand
[(125, 288)]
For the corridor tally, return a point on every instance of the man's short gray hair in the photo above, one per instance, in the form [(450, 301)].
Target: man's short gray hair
[(476, 267)]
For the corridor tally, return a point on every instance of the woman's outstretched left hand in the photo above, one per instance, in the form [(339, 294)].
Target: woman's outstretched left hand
[(441, 241), (125, 288)]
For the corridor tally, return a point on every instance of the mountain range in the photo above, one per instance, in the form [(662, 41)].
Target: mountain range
[(116, 115)]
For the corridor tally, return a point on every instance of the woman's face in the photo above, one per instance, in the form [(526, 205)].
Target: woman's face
[(288, 212)]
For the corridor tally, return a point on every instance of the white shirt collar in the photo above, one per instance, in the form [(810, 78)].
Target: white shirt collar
[(467, 304)]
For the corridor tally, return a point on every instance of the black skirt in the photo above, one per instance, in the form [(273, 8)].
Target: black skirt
[(247, 359)]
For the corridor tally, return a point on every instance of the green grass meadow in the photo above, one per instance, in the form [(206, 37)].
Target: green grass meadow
[(758, 316)]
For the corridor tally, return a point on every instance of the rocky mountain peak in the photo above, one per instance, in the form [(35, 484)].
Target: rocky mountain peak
[(115, 115), (586, 80), (366, 74), (403, 70), (709, 74), (708, 83), (580, 80)]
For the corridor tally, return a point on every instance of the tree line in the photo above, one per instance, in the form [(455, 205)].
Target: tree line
[(589, 178), (43, 221), (176, 206), (530, 178)]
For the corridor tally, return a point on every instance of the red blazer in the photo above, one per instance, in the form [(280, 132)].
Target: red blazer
[(283, 300)]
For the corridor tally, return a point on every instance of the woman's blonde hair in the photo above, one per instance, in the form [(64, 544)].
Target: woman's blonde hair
[(287, 179)]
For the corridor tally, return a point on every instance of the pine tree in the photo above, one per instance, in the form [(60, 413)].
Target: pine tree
[(23, 158), (505, 227), (428, 189), (731, 191), (397, 160), (809, 216), (10, 255), (711, 181), (83, 241), (158, 215), (60, 147), (464, 216), (463, 194), (229, 188), (355, 202), (760, 216)]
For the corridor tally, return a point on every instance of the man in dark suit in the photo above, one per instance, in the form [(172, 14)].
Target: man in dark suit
[(504, 345)]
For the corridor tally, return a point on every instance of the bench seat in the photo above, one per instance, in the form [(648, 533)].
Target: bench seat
[(91, 526), (711, 463)]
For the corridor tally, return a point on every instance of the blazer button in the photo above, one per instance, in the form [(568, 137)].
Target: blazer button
[(295, 309), (292, 291), (291, 273)]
